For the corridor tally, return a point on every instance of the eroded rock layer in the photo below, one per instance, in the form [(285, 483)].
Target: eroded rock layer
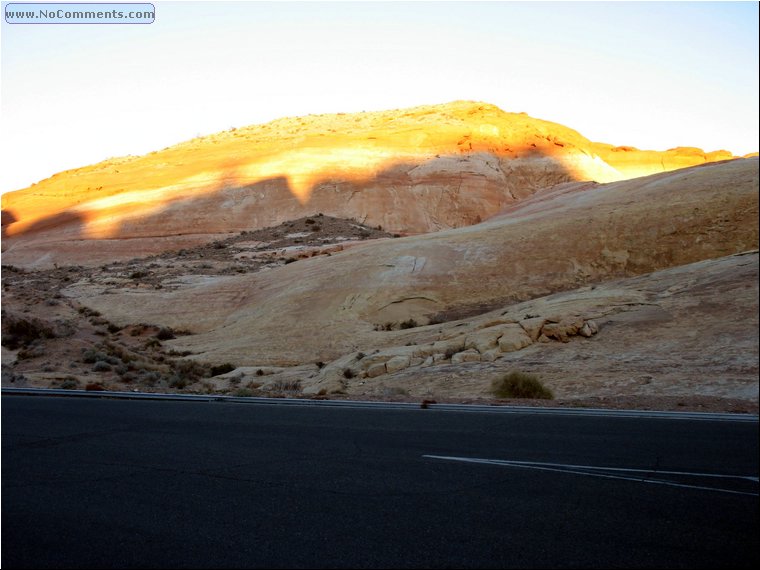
[(410, 171)]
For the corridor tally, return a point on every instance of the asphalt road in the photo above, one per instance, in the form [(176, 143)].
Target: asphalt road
[(99, 483)]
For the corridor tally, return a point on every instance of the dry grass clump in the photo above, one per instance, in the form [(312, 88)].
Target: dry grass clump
[(521, 385)]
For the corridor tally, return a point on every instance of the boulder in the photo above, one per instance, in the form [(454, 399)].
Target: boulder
[(564, 329), (377, 369), (532, 326), (514, 339), (397, 363), (469, 355), (588, 329)]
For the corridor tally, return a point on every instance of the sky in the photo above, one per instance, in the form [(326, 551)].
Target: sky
[(654, 75)]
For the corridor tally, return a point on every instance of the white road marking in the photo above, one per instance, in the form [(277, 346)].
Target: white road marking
[(603, 472)]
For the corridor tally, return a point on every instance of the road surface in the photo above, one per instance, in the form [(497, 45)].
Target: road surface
[(104, 483)]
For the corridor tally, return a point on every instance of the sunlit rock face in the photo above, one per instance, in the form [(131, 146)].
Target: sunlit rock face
[(410, 171), (559, 239)]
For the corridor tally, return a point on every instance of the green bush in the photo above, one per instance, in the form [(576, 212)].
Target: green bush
[(521, 385)]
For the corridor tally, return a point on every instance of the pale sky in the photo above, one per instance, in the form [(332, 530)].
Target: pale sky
[(648, 74)]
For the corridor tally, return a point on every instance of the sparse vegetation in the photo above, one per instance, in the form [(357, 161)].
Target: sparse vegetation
[(21, 331), (409, 324), (521, 385), (70, 383), (87, 312), (348, 373), (178, 382), (101, 366), (221, 369), (286, 386), (165, 333)]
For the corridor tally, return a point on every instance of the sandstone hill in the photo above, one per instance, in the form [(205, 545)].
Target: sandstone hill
[(563, 237), (644, 290), (408, 171)]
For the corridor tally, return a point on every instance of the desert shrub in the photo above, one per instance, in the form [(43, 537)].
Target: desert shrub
[(138, 274), (173, 352), (178, 382), (221, 369), (20, 331), (243, 393), (101, 366), (70, 383), (87, 312), (259, 372), (150, 378), (129, 377), (90, 355), (521, 385), (450, 352), (286, 386), (320, 364), (165, 333), (348, 373), (360, 355), (34, 350), (190, 370), (409, 324), (152, 343), (389, 391)]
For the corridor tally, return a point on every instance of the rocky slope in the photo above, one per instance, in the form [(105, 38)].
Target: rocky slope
[(644, 288), (411, 171), (562, 237)]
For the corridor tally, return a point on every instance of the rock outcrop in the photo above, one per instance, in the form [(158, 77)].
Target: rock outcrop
[(410, 171), (371, 295)]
